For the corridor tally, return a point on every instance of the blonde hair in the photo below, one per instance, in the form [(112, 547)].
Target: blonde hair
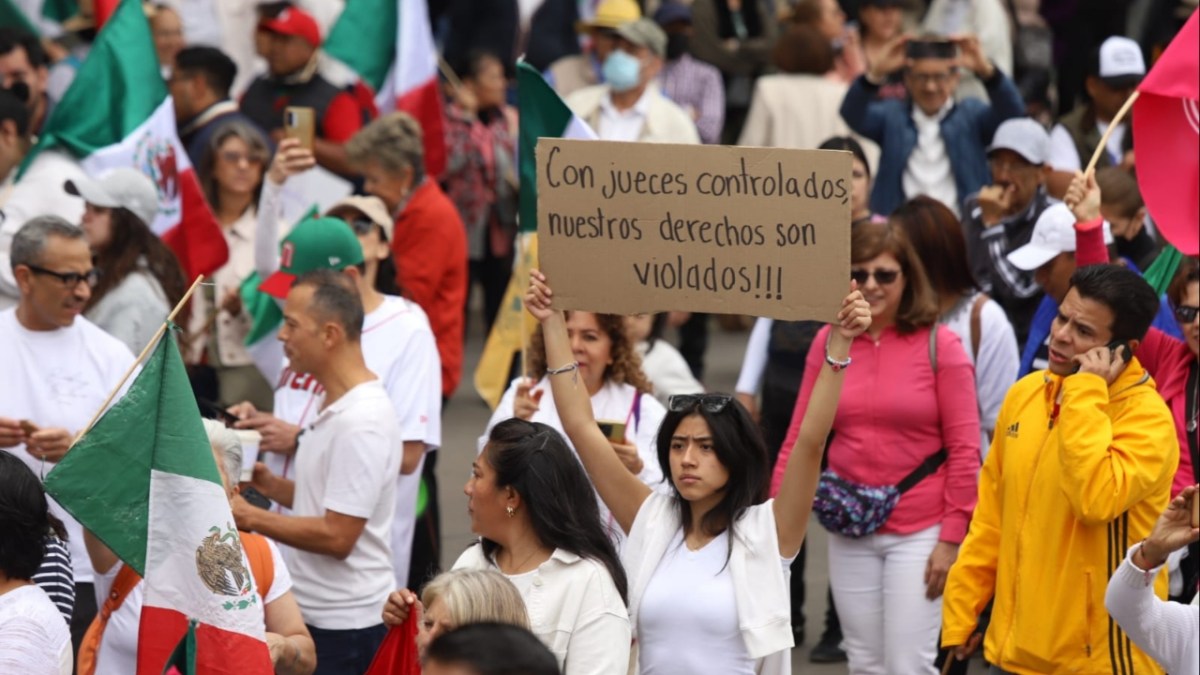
[(477, 596)]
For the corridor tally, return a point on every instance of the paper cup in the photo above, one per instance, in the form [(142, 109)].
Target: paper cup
[(249, 440)]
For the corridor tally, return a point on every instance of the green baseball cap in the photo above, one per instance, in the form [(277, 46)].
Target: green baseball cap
[(314, 244)]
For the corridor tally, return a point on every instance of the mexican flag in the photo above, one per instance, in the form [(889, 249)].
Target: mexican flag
[(542, 114), (117, 113), (389, 46), (12, 16), (144, 481)]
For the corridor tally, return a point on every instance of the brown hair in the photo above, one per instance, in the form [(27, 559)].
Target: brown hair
[(626, 366), (256, 145), (801, 48), (131, 243), (1119, 189), (936, 234), (918, 305), (1188, 273)]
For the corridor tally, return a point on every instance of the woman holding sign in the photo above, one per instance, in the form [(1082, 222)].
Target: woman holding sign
[(707, 563), (901, 483)]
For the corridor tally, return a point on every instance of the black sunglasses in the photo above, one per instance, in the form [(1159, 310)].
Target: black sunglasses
[(1186, 313), (882, 277), (712, 403), (69, 279)]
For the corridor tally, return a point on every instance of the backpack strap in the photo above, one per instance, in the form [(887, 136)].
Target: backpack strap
[(89, 647), (262, 564), (933, 330), (976, 324)]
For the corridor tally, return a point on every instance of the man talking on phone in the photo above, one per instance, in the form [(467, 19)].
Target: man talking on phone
[(1079, 470)]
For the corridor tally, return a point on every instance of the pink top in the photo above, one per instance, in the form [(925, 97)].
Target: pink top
[(1168, 360), (895, 412)]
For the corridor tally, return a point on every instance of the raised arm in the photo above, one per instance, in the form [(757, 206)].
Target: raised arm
[(621, 491), (793, 505)]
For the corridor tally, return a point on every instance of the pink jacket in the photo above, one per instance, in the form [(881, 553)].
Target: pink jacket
[(1168, 360), (893, 413)]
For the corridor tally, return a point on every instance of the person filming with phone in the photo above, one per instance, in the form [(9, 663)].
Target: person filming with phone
[(1079, 470)]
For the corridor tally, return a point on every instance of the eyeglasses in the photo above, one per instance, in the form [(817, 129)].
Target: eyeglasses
[(998, 166), (362, 226), (1186, 313), (882, 277), (939, 79), (70, 279), (234, 157), (712, 403)]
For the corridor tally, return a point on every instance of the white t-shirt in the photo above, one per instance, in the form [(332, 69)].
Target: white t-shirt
[(58, 379), (690, 601), (347, 462), (399, 347), (34, 639), (117, 654)]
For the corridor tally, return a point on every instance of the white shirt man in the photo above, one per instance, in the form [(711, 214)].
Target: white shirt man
[(56, 367)]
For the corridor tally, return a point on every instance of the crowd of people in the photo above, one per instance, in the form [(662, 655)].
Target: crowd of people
[(998, 429)]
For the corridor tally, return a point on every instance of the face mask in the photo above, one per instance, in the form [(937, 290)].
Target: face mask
[(621, 71), (677, 45)]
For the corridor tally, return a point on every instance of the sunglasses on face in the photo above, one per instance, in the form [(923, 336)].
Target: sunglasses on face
[(712, 403), (235, 158), (882, 277), (1186, 313), (70, 279)]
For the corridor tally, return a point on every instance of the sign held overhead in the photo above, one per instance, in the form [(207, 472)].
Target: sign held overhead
[(625, 228)]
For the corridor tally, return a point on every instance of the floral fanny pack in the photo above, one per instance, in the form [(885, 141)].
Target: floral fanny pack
[(855, 510)]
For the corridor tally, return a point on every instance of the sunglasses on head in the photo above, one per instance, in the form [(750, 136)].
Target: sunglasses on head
[(882, 277), (1186, 313), (713, 403)]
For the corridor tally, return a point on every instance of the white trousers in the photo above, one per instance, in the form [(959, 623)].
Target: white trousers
[(879, 588)]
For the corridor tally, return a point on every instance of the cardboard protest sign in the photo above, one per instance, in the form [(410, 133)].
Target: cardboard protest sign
[(625, 228)]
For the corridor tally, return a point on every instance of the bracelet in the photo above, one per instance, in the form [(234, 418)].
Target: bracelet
[(834, 364), (572, 367)]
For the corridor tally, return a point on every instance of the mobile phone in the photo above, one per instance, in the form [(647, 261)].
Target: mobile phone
[(1125, 354), (255, 498), (612, 430), (300, 123)]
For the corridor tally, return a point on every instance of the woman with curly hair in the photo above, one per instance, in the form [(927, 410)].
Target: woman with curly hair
[(611, 370)]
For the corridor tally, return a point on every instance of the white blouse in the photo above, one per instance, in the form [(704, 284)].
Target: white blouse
[(34, 638)]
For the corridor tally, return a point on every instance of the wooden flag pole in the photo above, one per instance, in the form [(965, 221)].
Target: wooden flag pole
[(141, 358), (449, 73), (1102, 147)]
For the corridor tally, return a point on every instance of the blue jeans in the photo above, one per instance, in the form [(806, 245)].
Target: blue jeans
[(346, 652)]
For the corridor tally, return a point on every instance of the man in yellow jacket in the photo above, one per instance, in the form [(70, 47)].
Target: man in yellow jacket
[(1079, 470)]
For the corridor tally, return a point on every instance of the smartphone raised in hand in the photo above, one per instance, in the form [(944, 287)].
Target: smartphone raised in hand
[(1120, 349), (300, 123)]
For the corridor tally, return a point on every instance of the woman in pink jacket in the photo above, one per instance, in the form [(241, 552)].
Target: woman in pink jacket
[(909, 397)]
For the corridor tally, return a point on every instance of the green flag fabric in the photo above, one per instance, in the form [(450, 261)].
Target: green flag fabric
[(364, 38), (11, 15)]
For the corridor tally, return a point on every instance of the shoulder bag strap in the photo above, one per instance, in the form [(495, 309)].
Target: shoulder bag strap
[(89, 647), (262, 565), (931, 464), (976, 324)]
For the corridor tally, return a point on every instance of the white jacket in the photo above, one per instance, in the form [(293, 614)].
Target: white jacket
[(760, 584), (1166, 631), (666, 122)]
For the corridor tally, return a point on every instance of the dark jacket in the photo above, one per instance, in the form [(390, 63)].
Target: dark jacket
[(967, 131)]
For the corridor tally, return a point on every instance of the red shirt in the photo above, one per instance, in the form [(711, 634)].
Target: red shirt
[(430, 245), (1168, 360)]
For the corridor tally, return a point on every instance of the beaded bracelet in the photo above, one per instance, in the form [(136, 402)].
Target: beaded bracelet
[(834, 364)]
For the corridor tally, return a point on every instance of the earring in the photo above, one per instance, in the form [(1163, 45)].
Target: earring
[(511, 511)]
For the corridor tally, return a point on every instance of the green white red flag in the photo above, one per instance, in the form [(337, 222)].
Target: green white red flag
[(117, 113), (389, 45), (144, 481)]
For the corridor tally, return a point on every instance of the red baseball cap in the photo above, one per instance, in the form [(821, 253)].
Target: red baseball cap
[(293, 21)]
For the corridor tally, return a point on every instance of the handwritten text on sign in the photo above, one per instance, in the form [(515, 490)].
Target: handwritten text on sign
[(636, 227)]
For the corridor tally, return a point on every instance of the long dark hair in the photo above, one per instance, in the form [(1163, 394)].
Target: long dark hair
[(740, 448), (25, 519), (132, 240), (534, 460)]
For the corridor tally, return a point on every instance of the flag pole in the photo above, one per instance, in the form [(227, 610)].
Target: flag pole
[(141, 357), (1116, 120), (449, 73)]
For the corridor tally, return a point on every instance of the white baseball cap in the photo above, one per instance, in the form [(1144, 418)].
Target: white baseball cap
[(1053, 233), (124, 187), (371, 207), (1121, 63), (1023, 136)]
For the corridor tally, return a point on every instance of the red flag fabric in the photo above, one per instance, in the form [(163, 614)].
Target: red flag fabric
[(1166, 133), (397, 654)]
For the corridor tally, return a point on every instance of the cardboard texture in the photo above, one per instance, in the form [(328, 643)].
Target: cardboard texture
[(625, 228)]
